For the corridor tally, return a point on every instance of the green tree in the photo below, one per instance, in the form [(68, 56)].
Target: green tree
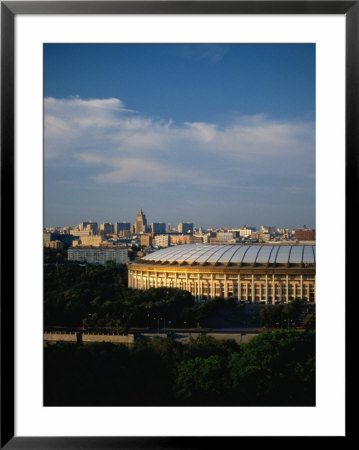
[(275, 369), (201, 381)]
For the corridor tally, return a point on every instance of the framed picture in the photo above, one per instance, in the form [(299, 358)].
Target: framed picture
[(46, 44)]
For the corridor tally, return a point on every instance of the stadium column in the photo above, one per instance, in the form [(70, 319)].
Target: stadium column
[(253, 291), (301, 286), (225, 286), (187, 281), (156, 279), (212, 286), (199, 288), (287, 282), (239, 288), (136, 280), (273, 290), (165, 279), (175, 280), (207, 289), (266, 289)]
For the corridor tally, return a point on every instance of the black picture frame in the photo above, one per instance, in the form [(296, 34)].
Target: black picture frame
[(9, 9)]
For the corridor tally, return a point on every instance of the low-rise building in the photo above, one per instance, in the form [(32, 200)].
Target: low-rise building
[(304, 235), (146, 240), (94, 241), (176, 239), (98, 255), (162, 240), (57, 245)]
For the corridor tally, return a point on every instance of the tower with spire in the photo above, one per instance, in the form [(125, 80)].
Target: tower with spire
[(140, 223)]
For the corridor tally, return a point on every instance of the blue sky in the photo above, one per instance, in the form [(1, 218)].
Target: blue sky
[(219, 135)]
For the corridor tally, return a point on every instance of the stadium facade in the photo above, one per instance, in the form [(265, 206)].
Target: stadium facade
[(256, 273)]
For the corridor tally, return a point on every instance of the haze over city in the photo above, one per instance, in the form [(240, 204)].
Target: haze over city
[(218, 135)]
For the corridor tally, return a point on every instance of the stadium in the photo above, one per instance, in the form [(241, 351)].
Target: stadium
[(255, 273)]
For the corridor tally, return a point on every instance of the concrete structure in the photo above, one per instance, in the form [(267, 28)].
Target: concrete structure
[(140, 223), (99, 255), (257, 273), (88, 337)]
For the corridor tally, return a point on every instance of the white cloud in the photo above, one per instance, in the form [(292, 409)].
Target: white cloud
[(127, 147)]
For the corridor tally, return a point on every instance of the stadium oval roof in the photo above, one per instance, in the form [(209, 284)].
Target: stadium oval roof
[(233, 254)]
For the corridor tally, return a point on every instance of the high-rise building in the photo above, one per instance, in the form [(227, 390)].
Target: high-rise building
[(140, 223), (106, 228), (121, 226), (158, 228), (185, 227), (88, 226)]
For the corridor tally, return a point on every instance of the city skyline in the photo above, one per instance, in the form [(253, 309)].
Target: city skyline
[(218, 135), (173, 225)]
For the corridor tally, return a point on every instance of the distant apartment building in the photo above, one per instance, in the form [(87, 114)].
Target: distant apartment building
[(121, 226), (196, 240), (94, 241), (99, 255), (206, 238), (242, 232), (223, 236), (88, 226), (262, 236), (304, 235), (176, 239), (158, 228), (125, 234), (162, 240), (146, 240), (106, 228), (185, 227), (245, 232), (56, 245), (66, 239), (140, 223), (267, 229), (80, 233)]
